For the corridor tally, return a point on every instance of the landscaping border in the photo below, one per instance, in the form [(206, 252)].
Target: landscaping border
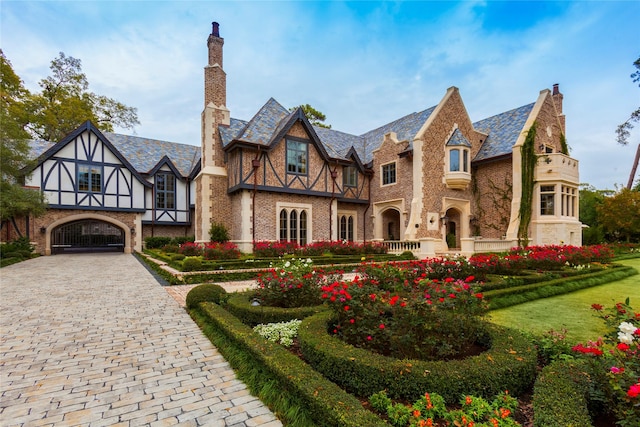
[(239, 304), (327, 404), (510, 364)]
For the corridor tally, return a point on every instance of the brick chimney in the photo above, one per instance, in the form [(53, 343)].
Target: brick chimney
[(557, 100), (215, 79)]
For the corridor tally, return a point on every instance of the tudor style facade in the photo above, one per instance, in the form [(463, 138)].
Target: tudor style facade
[(433, 181)]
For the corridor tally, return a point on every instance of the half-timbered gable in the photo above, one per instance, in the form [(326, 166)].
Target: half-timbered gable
[(85, 171)]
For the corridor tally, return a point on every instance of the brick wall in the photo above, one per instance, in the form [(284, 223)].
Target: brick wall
[(493, 183)]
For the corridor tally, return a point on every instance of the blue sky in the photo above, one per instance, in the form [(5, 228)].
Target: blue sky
[(363, 64)]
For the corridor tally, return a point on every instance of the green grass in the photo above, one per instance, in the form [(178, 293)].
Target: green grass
[(571, 311)]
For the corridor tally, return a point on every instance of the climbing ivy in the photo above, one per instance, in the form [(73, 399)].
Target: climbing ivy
[(563, 145), (529, 159)]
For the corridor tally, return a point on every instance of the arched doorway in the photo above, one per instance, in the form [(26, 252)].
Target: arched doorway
[(391, 224), (87, 235), (452, 228)]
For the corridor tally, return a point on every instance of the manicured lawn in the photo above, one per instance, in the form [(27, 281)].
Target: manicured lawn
[(572, 311)]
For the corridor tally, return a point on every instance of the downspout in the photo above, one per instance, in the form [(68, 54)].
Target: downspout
[(153, 206), (334, 175), (186, 227), (364, 219), (255, 163)]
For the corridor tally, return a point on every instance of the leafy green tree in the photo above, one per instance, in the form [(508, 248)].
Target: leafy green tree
[(590, 200), (623, 130), (65, 103), (314, 116), (620, 215), (15, 200)]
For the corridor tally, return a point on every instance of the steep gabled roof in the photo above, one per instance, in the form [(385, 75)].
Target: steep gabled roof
[(144, 153), (503, 131), (265, 124), (458, 139), (405, 128), (339, 143)]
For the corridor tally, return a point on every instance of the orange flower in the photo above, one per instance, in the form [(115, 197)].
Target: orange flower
[(416, 413), (468, 400), (504, 413)]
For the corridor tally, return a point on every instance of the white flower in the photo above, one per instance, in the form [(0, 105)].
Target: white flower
[(287, 264), (627, 328), (625, 338)]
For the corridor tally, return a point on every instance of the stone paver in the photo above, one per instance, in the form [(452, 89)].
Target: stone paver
[(94, 340)]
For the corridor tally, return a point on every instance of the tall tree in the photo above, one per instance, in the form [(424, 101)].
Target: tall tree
[(65, 103), (314, 116), (620, 215), (15, 200), (623, 130)]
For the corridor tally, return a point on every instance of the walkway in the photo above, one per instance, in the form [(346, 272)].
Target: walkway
[(94, 340)]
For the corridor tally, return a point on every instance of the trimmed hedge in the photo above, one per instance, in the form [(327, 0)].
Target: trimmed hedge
[(239, 304), (208, 292), (327, 403), (507, 297), (510, 364), (560, 396)]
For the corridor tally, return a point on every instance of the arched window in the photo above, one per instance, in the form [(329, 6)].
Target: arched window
[(283, 225), (303, 228), (343, 227), (293, 226), (350, 229)]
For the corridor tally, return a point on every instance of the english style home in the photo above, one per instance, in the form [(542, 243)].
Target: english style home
[(432, 181)]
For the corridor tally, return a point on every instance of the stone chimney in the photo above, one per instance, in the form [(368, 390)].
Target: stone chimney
[(215, 79), (557, 100)]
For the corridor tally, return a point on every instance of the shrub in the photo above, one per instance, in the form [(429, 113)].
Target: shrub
[(21, 245), (560, 395), (282, 332), (509, 364), (292, 283), (171, 249), (218, 233), (182, 239), (208, 292), (191, 249), (177, 257), (216, 250), (239, 304), (191, 264), (417, 319), (156, 242)]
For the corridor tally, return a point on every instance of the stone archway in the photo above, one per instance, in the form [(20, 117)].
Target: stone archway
[(453, 228), (101, 233), (391, 225)]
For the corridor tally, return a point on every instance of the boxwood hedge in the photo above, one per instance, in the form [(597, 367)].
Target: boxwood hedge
[(239, 304), (510, 364)]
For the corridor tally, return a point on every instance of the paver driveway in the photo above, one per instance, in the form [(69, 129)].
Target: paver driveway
[(94, 340)]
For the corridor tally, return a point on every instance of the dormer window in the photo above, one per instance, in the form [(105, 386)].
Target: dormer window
[(297, 157), (457, 161), (350, 176)]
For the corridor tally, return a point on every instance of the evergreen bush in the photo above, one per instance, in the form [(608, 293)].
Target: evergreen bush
[(207, 292)]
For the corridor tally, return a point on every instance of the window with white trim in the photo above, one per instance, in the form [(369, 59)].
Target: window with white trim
[(89, 178), (350, 176), (297, 157), (569, 200), (293, 225), (346, 226), (547, 199), (165, 191)]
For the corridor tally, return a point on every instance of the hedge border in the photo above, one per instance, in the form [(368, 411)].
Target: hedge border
[(239, 305), (510, 364), (507, 297), (560, 395), (327, 403)]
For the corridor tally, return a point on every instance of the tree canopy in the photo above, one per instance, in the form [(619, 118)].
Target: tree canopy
[(619, 215), (314, 116), (623, 131), (65, 102), (15, 200)]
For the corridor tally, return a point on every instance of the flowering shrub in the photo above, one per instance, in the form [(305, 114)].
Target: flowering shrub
[(282, 332), (474, 412), (270, 249), (552, 257), (406, 318), (191, 249), (292, 283), (615, 361), (215, 250)]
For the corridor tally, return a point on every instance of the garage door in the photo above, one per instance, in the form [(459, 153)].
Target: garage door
[(87, 235)]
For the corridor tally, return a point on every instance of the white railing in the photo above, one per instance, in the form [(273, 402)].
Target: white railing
[(399, 246), (493, 245)]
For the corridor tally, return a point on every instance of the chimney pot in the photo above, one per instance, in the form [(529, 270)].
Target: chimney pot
[(556, 89), (216, 29)]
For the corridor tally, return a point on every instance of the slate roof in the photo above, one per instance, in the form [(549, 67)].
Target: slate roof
[(145, 153), (458, 139), (265, 124), (502, 130)]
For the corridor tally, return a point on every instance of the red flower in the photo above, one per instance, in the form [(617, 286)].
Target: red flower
[(352, 320), (381, 325), (623, 347), (394, 300), (634, 391), (346, 308), (596, 307)]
